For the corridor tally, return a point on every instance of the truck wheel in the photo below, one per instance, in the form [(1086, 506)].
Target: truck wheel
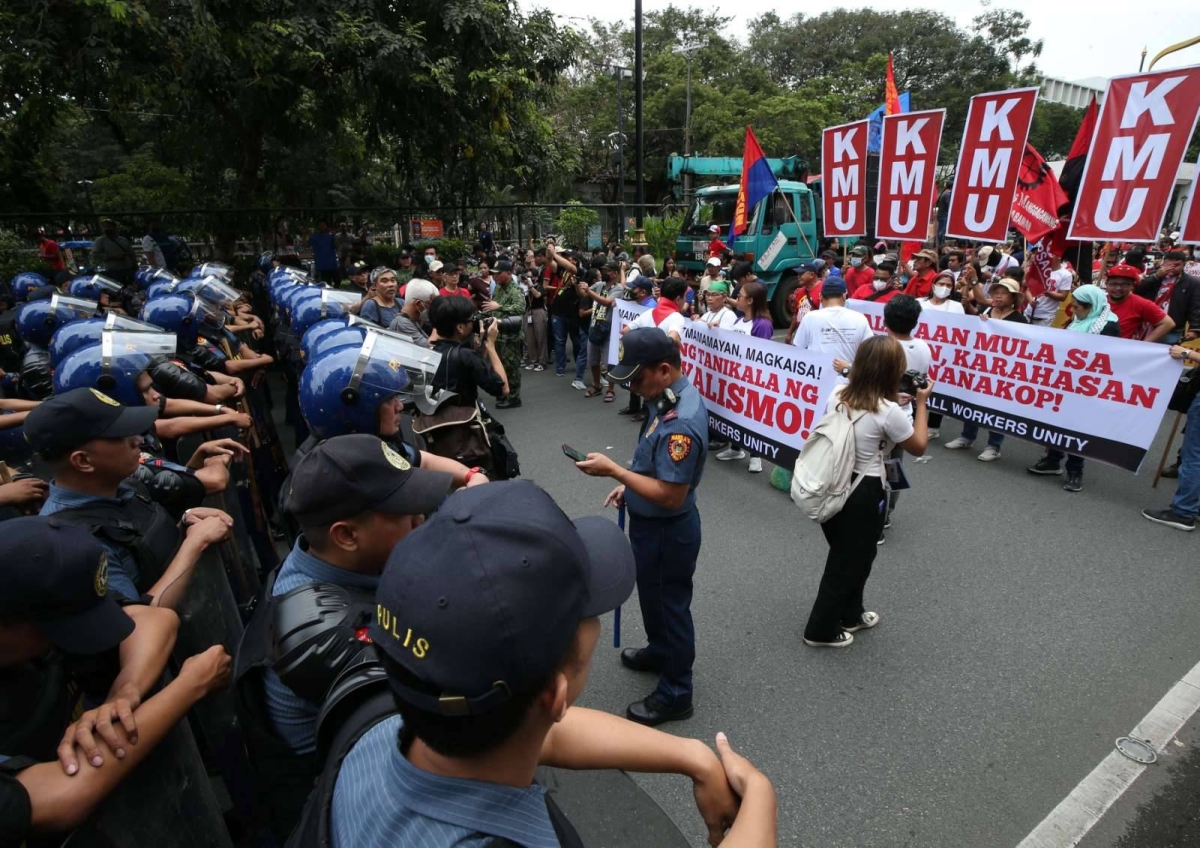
[(783, 304)]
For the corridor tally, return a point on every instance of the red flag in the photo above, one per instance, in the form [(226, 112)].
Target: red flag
[(1142, 133), (758, 180), (1037, 277), (1072, 171), (1039, 197), (891, 98)]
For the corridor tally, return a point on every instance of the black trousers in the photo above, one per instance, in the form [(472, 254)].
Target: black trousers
[(852, 535)]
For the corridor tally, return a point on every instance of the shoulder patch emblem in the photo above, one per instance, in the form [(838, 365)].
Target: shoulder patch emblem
[(103, 397), (395, 459), (100, 583), (679, 446)]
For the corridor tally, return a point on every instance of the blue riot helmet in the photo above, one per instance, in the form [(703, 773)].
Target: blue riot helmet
[(213, 269), (37, 321), (317, 332), (156, 276), (91, 287), (25, 282), (116, 321), (72, 336), (289, 298), (217, 292), (342, 389), (265, 261), (141, 277), (113, 365), (187, 285), (331, 303), (338, 338), (14, 447), (178, 313)]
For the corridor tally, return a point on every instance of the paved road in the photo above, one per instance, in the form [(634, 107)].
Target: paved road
[(1023, 629)]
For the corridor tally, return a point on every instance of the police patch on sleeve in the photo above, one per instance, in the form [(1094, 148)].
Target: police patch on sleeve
[(395, 459), (679, 446), (100, 584)]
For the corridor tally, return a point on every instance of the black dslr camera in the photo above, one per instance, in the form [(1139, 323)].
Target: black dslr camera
[(912, 381), (510, 325)]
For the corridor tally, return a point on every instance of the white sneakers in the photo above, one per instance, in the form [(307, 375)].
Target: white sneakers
[(731, 453), (755, 465), (990, 454), (958, 444), (934, 433), (578, 384)]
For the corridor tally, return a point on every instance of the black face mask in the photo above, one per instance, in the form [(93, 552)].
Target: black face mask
[(94, 673)]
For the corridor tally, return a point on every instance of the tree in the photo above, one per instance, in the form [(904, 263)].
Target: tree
[(1054, 128)]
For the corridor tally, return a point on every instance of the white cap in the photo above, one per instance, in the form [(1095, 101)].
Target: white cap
[(1175, 236), (712, 260), (435, 265), (714, 229)]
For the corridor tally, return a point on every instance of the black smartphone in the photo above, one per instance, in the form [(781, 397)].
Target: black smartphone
[(574, 454)]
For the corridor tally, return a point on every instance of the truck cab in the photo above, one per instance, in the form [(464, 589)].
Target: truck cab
[(774, 241)]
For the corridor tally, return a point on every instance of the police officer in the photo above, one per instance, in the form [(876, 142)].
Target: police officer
[(93, 444), (354, 497), (659, 489)]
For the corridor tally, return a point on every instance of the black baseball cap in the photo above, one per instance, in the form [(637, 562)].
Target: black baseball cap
[(56, 574), (638, 347), (349, 475), (72, 419), (483, 600), (503, 265), (357, 268)]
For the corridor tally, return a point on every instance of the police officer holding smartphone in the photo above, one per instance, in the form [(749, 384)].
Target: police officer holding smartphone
[(659, 489)]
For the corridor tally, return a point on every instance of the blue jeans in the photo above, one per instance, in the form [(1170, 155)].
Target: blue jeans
[(1187, 496), (971, 430), (562, 330), (1074, 463), (665, 551)]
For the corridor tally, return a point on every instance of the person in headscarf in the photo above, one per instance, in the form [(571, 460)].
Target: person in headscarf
[(1090, 314)]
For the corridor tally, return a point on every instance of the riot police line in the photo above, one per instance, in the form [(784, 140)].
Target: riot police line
[(341, 376)]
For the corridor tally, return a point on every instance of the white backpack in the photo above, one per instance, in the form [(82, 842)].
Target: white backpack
[(821, 482)]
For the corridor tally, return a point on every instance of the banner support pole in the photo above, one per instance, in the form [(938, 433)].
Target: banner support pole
[(1162, 463)]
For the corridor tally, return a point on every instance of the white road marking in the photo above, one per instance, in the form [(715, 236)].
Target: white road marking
[(1071, 820)]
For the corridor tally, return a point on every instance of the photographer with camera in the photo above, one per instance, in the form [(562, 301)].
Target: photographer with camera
[(869, 401)]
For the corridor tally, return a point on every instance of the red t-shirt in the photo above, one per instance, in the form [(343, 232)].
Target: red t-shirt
[(858, 277), (814, 296), (921, 285), (51, 255), (865, 292), (1136, 316), (459, 291), (716, 246)]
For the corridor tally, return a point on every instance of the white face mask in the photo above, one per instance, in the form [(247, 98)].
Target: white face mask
[(879, 285), (941, 292), (855, 261)]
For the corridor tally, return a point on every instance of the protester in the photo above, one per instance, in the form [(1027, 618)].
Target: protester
[(536, 319), (1091, 315), (833, 328), (939, 298), (1044, 308), (712, 273), (879, 425), (380, 306), (323, 245), (881, 288), (419, 294), (808, 296), (924, 270), (462, 370), (718, 315), (861, 271), (50, 252), (604, 293), (1181, 514), (1137, 317), (667, 313)]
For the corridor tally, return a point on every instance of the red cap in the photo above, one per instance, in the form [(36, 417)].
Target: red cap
[(1124, 269)]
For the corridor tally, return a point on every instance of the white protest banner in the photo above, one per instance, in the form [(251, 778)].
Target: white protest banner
[(760, 394), (624, 312), (1100, 397)]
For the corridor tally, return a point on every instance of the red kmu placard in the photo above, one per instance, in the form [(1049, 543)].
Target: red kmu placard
[(1141, 136), (1189, 226), (988, 163), (907, 162), (844, 179)]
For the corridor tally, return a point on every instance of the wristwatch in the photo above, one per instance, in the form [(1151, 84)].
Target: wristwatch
[(220, 409), (471, 472), (845, 372)]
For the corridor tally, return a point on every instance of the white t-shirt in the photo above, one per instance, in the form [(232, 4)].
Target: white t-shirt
[(723, 319), (673, 323), (875, 434), (833, 329), (919, 358), (952, 306), (1044, 307), (150, 247)]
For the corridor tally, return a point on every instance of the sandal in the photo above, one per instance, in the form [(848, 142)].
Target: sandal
[(609, 397), (591, 392)]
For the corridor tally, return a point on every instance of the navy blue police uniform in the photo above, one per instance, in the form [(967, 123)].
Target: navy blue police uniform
[(672, 447)]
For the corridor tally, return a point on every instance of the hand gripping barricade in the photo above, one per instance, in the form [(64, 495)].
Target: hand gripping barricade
[(308, 637)]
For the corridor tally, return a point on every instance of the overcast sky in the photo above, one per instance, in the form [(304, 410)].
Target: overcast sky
[(1083, 38)]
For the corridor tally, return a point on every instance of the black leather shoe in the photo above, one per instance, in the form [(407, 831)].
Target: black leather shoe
[(508, 404), (638, 416), (638, 659), (651, 713), (626, 410), (1171, 472)]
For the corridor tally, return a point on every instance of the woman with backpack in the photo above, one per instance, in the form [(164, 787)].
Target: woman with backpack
[(878, 423)]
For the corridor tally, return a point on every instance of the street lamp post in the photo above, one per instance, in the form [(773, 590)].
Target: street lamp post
[(619, 156), (637, 87), (686, 50)]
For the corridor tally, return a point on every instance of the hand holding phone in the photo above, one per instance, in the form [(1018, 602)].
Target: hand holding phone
[(573, 454)]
